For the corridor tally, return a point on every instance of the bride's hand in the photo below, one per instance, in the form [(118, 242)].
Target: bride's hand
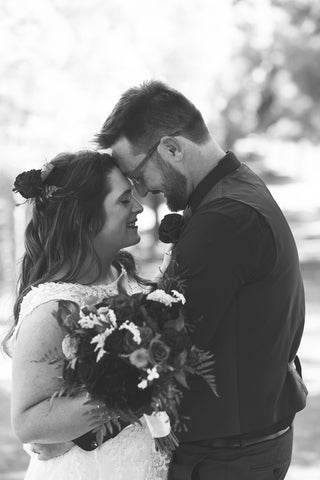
[(46, 451)]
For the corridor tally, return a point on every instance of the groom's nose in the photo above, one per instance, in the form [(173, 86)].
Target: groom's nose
[(141, 189)]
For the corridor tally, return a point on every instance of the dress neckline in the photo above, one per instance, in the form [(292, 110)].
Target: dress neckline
[(91, 285)]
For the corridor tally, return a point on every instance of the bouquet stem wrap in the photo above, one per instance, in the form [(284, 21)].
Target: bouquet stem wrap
[(160, 429)]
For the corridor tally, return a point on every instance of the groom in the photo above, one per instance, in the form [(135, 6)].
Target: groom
[(243, 280)]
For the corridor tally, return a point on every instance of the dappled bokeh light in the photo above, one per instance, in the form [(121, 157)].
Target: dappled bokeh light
[(251, 67)]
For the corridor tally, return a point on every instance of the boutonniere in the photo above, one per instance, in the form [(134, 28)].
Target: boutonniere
[(170, 228)]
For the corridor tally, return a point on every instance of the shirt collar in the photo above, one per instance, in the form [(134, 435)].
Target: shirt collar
[(226, 165)]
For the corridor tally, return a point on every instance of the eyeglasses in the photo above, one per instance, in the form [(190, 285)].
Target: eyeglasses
[(135, 175)]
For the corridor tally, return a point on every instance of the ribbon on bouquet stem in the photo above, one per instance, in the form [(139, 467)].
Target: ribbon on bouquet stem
[(160, 429)]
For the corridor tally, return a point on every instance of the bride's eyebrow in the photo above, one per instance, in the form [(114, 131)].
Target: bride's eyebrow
[(126, 192)]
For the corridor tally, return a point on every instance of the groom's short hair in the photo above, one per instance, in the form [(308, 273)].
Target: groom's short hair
[(146, 113)]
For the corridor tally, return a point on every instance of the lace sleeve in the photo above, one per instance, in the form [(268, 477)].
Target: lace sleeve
[(73, 292), (44, 293)]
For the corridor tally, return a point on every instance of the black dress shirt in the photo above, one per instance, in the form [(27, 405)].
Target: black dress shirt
[(235, 247), (226, 246)]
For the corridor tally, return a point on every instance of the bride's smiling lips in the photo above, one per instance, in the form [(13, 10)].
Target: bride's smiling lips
[(132, 224)]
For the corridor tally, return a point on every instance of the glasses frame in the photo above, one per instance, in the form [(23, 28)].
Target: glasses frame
[(135, 174)]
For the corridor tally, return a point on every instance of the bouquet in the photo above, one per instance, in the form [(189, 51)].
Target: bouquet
[(134, 354)]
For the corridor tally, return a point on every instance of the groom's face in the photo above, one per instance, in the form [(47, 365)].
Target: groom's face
[(151, 174)]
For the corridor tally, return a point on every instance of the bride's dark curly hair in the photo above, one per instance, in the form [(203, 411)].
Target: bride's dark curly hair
[(60, 235)]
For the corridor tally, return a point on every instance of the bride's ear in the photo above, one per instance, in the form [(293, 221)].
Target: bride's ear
[(170, 149)]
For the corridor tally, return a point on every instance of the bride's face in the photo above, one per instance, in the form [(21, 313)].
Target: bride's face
[(121, 210)]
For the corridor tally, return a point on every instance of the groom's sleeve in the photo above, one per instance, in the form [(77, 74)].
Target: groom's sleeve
[(221, 250)]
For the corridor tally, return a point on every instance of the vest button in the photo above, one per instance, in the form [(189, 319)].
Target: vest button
[(94, 444)]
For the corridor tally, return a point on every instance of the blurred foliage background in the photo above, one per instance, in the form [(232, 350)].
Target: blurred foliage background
[(251, 67)]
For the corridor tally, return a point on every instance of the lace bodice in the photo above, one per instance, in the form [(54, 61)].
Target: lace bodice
[(74, 292), (131, 454)]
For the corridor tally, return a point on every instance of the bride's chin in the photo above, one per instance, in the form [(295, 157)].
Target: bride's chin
[(134, 240)]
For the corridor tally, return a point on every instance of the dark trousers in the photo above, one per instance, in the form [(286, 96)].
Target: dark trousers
[(267, 460)]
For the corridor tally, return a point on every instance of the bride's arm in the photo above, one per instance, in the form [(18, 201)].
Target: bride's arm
[(34, 419)]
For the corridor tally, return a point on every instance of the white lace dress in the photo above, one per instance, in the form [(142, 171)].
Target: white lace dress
[(131, 454)]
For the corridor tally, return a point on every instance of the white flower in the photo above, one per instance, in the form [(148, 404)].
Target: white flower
[(107, 315), (178, 296), (112, 317), (73, 363), (143, 384), (152, 373), (103, 310), (165, 298), (139, 358), (161, 297), (100, 354), (46, 169), (69, 347), (100, 340), (133, 329), (89, 321)]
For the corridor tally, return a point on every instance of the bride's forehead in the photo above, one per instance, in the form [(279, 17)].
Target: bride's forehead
[(118, 181)]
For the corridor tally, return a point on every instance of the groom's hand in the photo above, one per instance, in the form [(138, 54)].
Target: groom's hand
[(46, 451)]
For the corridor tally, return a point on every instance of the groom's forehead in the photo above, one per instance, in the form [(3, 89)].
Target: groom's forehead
[(123, 153), (122, 147)]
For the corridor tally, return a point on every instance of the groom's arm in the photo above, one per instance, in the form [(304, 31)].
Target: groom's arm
[(221, 250)]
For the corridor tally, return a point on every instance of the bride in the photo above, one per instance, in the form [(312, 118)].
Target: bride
[(83, 214)]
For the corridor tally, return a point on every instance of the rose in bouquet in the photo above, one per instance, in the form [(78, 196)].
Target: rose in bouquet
[(134, 354)]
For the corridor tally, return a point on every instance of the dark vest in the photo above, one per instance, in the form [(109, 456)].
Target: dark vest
[(258, 338)]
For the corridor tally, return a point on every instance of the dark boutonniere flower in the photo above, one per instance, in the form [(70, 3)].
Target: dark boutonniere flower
[(170, 228)]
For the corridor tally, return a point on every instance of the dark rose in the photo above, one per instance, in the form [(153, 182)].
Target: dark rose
[(86, 349), (123, 306), (170, 228), (157, 311), (176, 340), (114, 381), (140, 315), (115, 343), (29, 184), (174, 311), (158, 352)]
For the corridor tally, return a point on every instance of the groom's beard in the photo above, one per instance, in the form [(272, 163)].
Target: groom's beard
[(174, 187)]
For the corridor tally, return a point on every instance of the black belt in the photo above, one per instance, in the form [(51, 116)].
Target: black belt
[(239, 442)]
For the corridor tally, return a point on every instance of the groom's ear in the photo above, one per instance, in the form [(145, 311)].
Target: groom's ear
[(170, 149)]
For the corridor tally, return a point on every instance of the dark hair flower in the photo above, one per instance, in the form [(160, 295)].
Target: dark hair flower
[(170, 228), (29, 184)]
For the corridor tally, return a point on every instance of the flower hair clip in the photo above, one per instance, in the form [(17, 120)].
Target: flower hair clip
[(31, 184), (46, 169)]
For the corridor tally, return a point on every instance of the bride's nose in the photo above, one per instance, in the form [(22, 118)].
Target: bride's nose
[(137, 207)]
